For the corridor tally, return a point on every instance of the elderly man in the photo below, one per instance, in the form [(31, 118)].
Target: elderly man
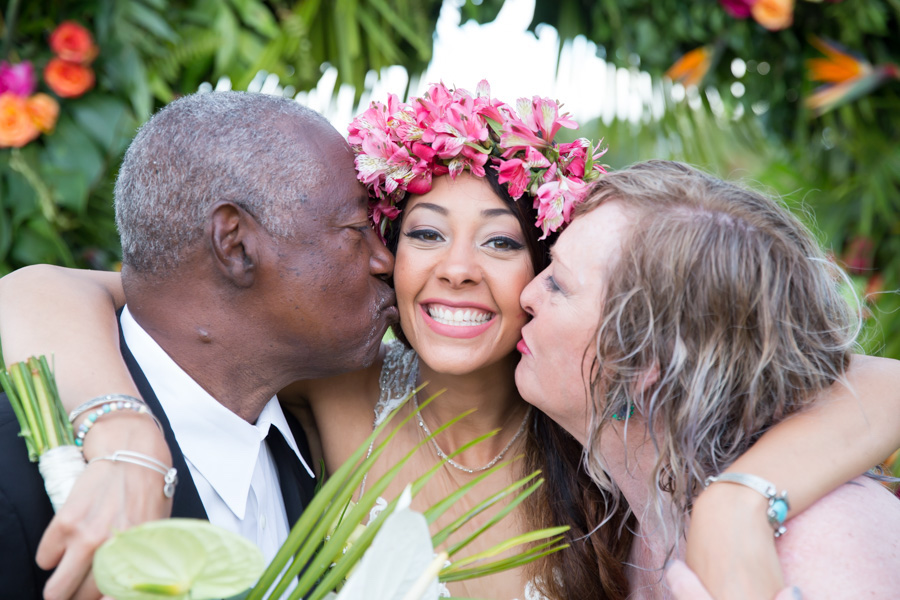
[(248, 263)]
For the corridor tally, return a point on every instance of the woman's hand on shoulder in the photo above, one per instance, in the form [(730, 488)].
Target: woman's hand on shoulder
[(685, 585), (107, 497), (730, 545)]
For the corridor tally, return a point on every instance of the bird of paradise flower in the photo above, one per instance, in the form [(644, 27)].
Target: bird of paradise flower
[(847, 76)]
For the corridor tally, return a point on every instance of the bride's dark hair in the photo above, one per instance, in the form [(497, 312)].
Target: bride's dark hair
[(591, 568)]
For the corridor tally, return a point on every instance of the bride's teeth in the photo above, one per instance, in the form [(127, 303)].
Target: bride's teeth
[(464, 318)]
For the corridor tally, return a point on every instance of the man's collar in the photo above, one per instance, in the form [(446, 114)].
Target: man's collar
[(222, 446)]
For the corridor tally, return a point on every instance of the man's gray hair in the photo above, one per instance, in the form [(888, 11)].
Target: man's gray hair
[(206, 148)]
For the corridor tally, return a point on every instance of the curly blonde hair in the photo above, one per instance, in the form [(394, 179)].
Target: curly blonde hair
[(722, 317)]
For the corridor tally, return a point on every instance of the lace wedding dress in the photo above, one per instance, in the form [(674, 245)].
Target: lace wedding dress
[(399, 374)]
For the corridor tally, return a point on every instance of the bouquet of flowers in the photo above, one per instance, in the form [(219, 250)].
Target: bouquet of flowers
[(328, 555), (48, 435)]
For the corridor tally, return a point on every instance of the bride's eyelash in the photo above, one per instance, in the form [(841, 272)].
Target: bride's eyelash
[(510, 243), (423, 235)]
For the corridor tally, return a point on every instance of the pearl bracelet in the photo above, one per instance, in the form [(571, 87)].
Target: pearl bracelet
[(170, 474), (105, 405), (778, 507)]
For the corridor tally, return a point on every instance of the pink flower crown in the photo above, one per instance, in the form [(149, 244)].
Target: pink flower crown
[(400, 147)]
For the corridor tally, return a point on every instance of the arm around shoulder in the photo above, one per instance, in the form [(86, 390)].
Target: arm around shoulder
[(69, 314)]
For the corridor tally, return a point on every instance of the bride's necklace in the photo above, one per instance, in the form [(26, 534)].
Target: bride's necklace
[(452, 462)]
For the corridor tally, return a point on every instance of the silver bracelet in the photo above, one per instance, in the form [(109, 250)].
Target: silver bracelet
[(778, 507), (170, 474), (100, 400)]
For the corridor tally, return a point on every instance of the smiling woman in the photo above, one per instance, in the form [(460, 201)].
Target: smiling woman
[(461, 262), (465, 248)]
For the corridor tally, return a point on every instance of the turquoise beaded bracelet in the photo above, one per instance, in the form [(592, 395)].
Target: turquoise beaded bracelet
[(126, 403)]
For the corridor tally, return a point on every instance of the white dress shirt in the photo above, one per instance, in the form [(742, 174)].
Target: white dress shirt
[(228, 458)]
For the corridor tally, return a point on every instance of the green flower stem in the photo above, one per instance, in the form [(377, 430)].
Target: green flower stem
[(63, 426), (45, 197), (21, 417), (49, 420), (29, 406), (34, 397), (12, 13)]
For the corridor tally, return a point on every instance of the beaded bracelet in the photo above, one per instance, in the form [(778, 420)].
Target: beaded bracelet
[(99, 401), (170, 474), (778, 507), (132, 404)]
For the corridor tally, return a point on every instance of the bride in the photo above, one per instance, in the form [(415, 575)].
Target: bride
[(458, 182)]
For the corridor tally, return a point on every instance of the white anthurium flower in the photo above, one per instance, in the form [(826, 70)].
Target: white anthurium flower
[(400, 564)]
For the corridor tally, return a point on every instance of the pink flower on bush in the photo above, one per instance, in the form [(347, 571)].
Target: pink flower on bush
[(739, 9), (18, 79)]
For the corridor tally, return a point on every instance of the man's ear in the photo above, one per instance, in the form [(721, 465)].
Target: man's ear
[(234, 238)]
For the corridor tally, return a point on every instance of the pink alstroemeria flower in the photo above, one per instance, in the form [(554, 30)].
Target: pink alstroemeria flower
[(484, 106), (573, 157), (542, 114), (517, 172), (517, 137), (381, 212), (555, 200), (382, 159), (460, 138), (405, 126), (18, 79), (375, 118)]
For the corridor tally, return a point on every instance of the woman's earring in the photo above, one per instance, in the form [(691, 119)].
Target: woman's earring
[(630, 414)]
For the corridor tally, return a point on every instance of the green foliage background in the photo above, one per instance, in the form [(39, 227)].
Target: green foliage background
[(842, 170)]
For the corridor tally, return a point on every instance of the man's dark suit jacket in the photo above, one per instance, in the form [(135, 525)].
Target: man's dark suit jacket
[(25, 509)]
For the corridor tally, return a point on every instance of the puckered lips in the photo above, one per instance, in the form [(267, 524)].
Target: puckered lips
[(523, 348), (456, 319)]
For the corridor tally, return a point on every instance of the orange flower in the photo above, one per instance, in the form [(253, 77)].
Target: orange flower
[(68, 79), (44, 111), (691, 68), (16, 126), (773, 14), (838, 67), (70, 41), (847, 76)]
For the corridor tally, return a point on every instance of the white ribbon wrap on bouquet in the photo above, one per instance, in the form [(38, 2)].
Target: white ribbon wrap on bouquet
[(60, 467)]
